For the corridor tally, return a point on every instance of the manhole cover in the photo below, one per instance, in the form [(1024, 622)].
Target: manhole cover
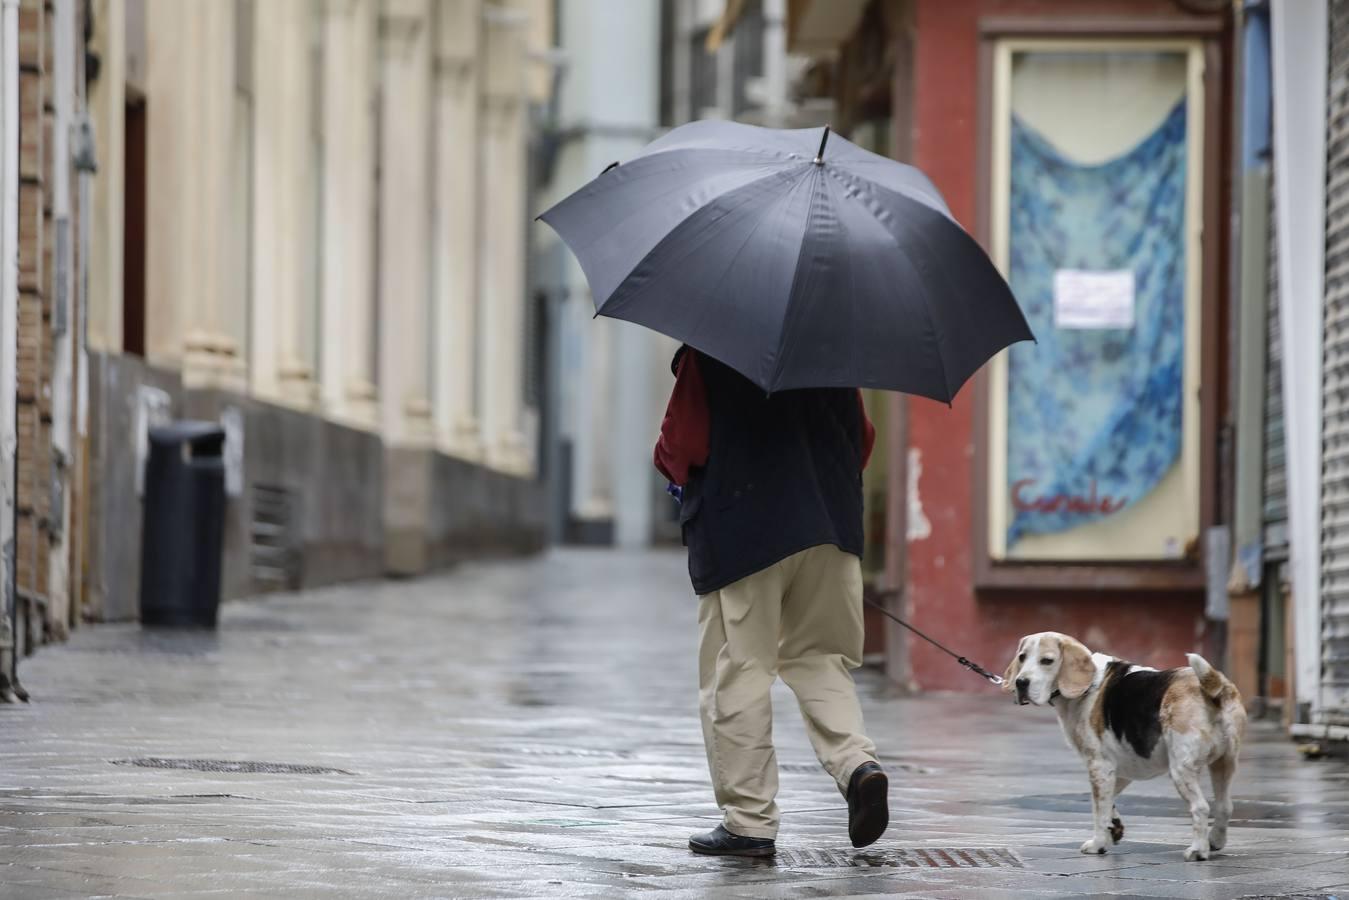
[(921, 858), (228, 766)]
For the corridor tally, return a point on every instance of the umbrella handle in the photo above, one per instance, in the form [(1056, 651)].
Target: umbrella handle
[(819, 154)]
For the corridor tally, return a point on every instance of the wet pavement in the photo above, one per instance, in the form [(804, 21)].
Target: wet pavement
[(530, 730)]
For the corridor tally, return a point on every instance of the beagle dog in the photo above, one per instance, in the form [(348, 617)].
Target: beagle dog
[(1131, 723)]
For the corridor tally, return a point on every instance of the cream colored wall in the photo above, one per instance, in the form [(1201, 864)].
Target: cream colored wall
[(459, 200), (167, 62), (501, 307), (405, 220), (283, 366), (234, 297), (538, 36), (350, 66), (107, 105), (190, 83)]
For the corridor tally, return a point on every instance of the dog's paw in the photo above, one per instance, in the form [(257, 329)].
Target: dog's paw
[(1116, 830), (1196, 854), (1093, 847)]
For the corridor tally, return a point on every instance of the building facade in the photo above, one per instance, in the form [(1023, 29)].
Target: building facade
[(1180, 146), (1082, 484), (48, 162), (604, 372), (313, 228), (307, 221), (1307, 633), (627, 72)]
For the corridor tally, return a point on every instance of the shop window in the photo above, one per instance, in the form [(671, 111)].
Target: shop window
[(1093, 437)]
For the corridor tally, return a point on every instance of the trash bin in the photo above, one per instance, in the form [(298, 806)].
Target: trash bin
[(183, 525)]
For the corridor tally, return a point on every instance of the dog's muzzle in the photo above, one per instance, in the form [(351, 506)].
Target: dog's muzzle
[(1023, 691)]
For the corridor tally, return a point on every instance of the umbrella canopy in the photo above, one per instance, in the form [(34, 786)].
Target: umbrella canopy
[(798, 259)]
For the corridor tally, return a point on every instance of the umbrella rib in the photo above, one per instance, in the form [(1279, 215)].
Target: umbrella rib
[(791, 291), (741, 249), (579, 248), (932, 319), (609, 307)]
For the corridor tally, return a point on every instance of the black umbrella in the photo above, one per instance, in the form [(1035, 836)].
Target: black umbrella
[(795, 266)]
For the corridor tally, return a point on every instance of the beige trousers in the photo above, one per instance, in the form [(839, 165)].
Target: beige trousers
[(801, 619)]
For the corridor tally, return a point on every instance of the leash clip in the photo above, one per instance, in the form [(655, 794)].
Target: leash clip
[(980, 670)]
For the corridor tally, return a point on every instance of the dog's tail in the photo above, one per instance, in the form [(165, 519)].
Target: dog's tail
[(1229, 708), (1213, 683)]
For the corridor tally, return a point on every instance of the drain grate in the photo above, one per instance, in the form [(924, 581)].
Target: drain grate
[(816, 769), (228, 766), (915, 858)]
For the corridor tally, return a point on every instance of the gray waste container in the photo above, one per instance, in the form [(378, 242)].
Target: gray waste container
[(184, 523)]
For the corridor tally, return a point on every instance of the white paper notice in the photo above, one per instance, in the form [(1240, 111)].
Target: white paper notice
[(1084, 299)]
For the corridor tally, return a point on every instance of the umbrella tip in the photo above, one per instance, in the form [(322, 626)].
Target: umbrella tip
[(819, 154)]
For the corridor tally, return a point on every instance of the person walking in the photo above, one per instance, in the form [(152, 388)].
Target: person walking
[(771, 514), (801, 270)]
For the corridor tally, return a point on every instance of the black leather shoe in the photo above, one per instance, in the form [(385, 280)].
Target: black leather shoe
[(868, 804), (720, 842)]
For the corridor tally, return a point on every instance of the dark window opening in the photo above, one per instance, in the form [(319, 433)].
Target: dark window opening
[(133, 230)]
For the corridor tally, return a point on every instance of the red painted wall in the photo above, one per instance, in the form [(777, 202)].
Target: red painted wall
[(1149, 628)]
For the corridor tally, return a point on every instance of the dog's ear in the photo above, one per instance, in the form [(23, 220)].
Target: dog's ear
[(1076, 670), (1009, 676)]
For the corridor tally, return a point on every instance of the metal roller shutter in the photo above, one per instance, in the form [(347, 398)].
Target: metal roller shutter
[(1334, 703), (1275, 513)]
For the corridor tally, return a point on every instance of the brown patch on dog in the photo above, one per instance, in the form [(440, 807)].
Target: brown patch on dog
[(1183, 705), (1098, 708), (1076, 670), (1009, 676)]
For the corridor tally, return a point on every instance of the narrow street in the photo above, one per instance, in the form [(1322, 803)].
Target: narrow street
[(529, 730)]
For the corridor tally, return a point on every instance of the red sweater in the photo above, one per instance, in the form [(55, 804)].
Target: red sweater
[(685, 435)]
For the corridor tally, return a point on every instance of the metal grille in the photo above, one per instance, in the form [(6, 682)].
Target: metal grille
[(1335, 387), (815, 769), (273, 561), (228, 766), (1275, 515), (915, 858)]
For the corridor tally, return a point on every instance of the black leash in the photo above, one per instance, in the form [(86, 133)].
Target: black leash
[(677, 492), (967, 663)]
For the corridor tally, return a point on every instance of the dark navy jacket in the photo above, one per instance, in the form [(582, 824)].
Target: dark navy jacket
[(783, 474)]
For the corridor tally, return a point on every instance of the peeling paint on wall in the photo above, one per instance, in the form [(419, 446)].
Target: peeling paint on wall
[(919, 528)]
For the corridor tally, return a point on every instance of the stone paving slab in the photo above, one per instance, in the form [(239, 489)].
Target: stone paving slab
[(529, 730)]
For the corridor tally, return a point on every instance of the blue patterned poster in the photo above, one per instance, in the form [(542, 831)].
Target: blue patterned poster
[(1095, 410)]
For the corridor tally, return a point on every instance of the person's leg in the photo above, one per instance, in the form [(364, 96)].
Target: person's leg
[(737, 662), (822, 637)]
